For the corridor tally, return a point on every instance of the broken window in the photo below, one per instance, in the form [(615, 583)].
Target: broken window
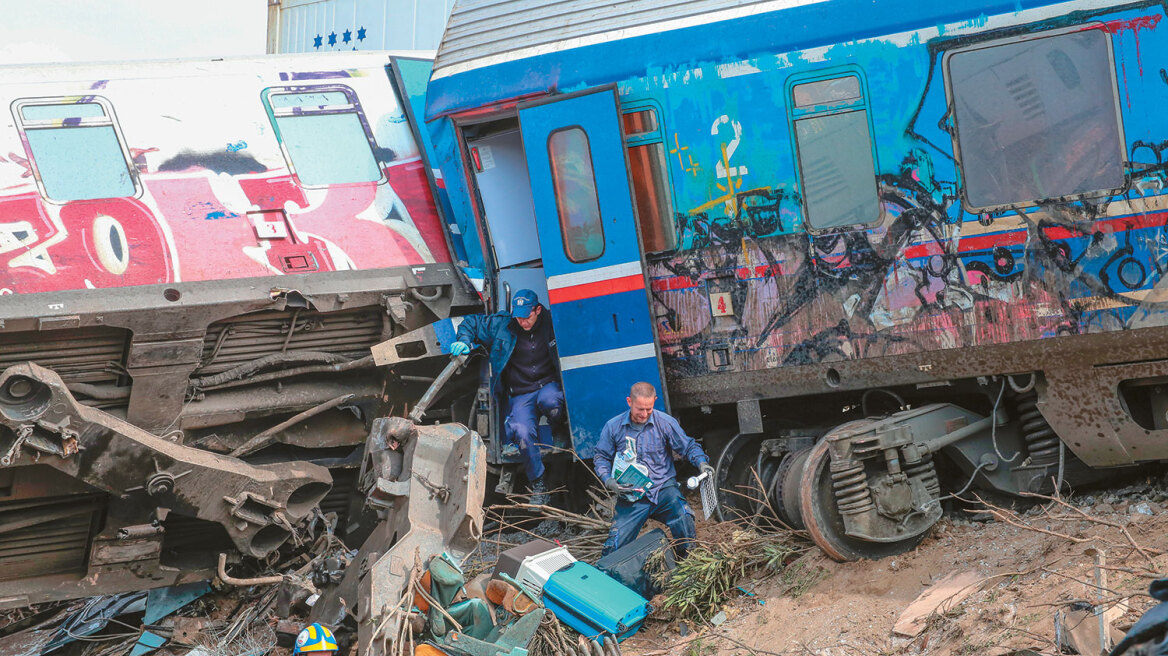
[(652, 199), (75, 149), (1036, 119), (577, 202), (324, 136), (833, 139)]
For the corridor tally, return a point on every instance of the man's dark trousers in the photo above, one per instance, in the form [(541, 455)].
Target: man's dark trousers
[(671, 509), (522, 424)]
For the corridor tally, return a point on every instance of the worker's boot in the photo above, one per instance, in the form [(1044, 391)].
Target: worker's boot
[(539, 493)]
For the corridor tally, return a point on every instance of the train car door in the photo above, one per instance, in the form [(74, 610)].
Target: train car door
[(587, 233)]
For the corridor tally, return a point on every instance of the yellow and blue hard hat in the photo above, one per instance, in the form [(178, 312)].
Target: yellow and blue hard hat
[(314, 638)]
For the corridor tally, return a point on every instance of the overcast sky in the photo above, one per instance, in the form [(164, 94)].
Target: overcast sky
[(36, 31)]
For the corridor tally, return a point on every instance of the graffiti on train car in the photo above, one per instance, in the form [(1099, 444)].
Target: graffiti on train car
[(931, 274), (99, 209)]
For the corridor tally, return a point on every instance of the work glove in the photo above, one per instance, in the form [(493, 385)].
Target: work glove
[(614, 486), (459, 348), (707, 468)]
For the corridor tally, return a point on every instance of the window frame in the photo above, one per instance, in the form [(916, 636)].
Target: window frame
[(953, 127), (556, 196), (353, 107), (795, 114), (646, 139), (110, 119)]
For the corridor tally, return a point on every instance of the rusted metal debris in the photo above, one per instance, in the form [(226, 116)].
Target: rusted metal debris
[(428, 481)]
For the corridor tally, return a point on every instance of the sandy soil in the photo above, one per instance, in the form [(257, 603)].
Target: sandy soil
[(1026, 577)]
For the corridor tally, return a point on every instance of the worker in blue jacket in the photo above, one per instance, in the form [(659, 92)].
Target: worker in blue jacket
[(657, 437), (525, 367)]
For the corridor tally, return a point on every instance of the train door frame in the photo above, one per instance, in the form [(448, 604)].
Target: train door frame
[(583, 439)]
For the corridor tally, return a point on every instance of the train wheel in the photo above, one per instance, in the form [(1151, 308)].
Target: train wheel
[(824, 522), (785, 489)]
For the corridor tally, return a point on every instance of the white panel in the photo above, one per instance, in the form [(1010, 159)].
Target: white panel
[(639, 352), (506, 192), (506, 30), (388, 24)]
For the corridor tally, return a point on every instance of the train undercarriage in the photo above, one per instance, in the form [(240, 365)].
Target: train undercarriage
[(139, 440)]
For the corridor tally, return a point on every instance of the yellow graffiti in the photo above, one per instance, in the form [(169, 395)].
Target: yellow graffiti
[(692, 166), (730, 189)]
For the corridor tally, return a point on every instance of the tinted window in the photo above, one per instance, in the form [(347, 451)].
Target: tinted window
[(325, 138), (576, 198), (640, 122), (648, 169), (1037, 119), (836, 166), (76, 151), (827, 92), (651, 197)]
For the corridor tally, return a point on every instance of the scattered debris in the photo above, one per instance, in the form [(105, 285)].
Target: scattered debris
[(708, 576), (942, 595)]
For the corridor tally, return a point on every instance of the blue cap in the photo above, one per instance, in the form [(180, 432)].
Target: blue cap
[(523, 303)]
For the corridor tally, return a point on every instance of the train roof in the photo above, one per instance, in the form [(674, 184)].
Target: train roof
[(262, 65), (501, 49)]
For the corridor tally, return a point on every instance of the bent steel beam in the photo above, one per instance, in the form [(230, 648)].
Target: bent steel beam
[(41, 423)]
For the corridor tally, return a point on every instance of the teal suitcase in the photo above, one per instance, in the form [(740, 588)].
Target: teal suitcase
[(593, 603)]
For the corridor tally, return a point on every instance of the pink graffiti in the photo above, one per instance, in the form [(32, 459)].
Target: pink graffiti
[(181, 230)]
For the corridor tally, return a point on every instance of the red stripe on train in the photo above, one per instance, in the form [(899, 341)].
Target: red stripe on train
[(598, 288)]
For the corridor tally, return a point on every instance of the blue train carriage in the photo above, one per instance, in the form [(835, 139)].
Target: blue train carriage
[(878, 251)]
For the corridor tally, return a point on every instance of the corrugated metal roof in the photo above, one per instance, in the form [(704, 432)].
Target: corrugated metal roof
[(490, 28)]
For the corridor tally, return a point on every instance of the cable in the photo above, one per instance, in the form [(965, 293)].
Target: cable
[(994, 425), (957, 494), (864, 398)]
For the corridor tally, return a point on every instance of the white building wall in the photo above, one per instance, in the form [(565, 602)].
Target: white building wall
[(347, 25)]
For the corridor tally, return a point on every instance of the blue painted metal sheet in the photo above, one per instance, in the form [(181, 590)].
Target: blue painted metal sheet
[(608, 54), (598, 302)]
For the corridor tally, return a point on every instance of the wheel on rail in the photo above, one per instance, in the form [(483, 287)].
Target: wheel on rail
[(824, 522)]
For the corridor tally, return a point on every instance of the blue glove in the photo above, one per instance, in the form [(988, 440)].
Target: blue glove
[(459, 348)]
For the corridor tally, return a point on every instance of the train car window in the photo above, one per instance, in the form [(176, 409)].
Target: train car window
[(834, 144), (652, 199), (577, 201), (75, 149), (324, 136), (827, 93), (1036, 119)]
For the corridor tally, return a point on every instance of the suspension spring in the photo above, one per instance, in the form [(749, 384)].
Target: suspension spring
[(1041, 442), (926, 471), (850, 487)]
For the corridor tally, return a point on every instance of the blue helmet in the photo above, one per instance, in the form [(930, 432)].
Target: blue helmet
[(314, 638)]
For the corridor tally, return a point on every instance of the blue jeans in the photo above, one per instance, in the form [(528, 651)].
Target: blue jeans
[(522, 424), (671, 509)]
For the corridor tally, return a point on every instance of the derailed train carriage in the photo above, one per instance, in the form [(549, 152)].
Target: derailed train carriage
[(871, 252), (196, 259)]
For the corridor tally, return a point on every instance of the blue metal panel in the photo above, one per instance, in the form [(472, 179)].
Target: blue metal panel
[(601, 392), (608, 322), (590, 319), (785, 30)]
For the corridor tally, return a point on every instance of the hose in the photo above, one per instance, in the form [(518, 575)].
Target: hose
[(994, 428), (864, 398), (259, 364), (100, 392)]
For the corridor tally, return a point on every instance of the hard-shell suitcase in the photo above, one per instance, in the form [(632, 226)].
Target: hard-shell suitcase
[(627, 564), (593, 603)]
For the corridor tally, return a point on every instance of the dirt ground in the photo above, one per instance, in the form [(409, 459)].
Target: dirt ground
[(1022, 578)]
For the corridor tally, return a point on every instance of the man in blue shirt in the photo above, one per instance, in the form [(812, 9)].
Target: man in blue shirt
[(524, 366), (657, 437)]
